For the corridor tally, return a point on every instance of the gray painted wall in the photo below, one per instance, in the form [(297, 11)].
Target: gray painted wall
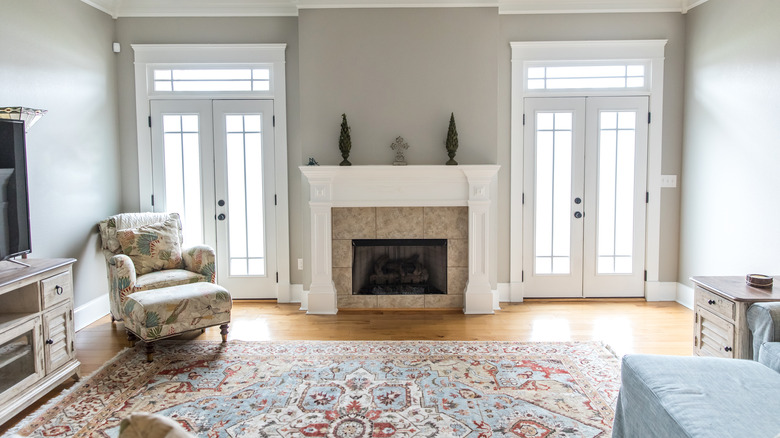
[(56, 55), (731, 156), (669, 26), (214, 31)]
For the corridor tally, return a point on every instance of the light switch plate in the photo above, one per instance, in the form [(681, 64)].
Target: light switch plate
[(300, 264), (668, 180)]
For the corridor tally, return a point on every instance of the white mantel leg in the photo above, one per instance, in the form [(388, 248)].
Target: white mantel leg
[(479, 297), (322, 292)]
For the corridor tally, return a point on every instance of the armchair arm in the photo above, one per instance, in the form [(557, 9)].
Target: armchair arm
[(764, 322), (201, 259), (122, 278)]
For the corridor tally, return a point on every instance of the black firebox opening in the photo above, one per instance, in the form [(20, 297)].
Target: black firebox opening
[(399, 266)]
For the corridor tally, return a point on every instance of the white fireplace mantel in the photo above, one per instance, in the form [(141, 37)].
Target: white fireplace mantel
[(473, 186)]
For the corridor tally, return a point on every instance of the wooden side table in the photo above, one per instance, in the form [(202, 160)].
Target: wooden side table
[(720, 325)]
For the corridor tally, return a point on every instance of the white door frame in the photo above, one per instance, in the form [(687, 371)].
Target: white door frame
[(524, 53), (147, 56)]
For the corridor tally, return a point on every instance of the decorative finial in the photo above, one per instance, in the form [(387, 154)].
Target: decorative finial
[(399, 146), (452, 141), (345, 141)]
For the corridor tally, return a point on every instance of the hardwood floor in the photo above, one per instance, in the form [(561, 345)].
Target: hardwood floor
[(628, 326)]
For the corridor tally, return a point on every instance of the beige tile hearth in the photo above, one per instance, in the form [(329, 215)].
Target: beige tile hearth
[(342, 253), (353, 223), (357, 301), (443, 301), (456, 280), (446, 222), (399, 222), (401, 301), (342, 278)]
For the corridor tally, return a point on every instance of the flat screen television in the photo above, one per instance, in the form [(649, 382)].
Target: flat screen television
[(14, 208)]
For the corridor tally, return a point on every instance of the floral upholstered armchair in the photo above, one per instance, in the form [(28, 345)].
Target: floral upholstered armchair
[(143, 251)]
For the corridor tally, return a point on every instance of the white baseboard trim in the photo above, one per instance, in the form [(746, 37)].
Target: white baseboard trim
[(660, 291), (296, 293), (685, 295), (90, 312), (503, 293)]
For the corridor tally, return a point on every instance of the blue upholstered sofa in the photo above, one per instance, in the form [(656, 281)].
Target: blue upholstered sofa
[(669, 396)]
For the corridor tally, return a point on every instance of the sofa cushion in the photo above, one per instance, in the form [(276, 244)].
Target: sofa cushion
[(770, 355), (696, 397), (167, 278), (152, 247)]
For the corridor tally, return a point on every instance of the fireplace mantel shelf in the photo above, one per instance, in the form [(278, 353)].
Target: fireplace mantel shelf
[(473, 186)]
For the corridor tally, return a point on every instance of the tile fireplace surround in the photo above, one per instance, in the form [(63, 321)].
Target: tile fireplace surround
[(387, 191)]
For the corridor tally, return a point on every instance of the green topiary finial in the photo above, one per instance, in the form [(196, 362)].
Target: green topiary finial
[(452, 141), (345, 141)]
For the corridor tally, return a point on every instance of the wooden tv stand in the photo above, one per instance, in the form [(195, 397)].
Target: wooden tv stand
[(37, 348)]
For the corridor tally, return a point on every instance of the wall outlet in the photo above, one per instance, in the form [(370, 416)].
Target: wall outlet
[(668, 180), (300, 264)]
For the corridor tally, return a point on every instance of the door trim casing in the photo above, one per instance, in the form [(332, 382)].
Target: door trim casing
[(534, 51), (147, 55)]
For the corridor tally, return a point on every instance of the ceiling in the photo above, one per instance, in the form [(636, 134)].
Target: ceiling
[(264, 8)]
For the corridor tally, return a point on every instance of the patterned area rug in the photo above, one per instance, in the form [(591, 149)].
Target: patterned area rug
[(349, 390)]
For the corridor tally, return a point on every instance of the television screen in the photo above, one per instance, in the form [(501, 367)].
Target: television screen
[(14, 217)]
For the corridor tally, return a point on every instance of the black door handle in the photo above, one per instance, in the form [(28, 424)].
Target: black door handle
[(221, 216), (577, 214), (577, 200)]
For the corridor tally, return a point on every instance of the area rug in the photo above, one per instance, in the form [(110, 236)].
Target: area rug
[(348, 390)]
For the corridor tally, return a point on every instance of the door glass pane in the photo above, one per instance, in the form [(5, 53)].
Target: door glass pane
[(617, 144), (246, 213), (181, 149), (554, 143)]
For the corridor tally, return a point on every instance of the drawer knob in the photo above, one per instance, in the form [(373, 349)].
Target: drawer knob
[(58, 290), (49, 341), (710, 302), (728, 348)]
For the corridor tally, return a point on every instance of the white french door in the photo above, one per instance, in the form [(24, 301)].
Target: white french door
[(585, 180), (213, 163)]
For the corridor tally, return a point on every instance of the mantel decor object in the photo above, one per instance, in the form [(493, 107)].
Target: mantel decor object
[(399, 146), (29, 115), (759, 280), (345, 141), (452, 141)]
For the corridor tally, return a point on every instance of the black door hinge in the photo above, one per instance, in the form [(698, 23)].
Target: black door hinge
[(274, 199), (277, 277), (645, 275), (648, 117), (150, 121), (523, 119), (647, 197), (523, 199), (152, 200), (273, 120)]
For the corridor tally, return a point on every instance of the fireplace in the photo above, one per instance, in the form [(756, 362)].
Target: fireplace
[(399, 266), (456, 203)]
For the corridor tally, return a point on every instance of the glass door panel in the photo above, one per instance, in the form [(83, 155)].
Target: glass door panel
[(554, 161)]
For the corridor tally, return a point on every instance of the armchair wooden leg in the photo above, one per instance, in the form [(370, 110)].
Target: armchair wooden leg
[(131, 338), (113, 320), (149, 351), (223, 330)]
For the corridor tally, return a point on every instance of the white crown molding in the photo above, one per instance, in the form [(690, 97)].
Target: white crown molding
[(107, 6), (587, 6), (275, 8)]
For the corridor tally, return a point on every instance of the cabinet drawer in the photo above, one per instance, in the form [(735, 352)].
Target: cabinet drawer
[(56, 289), (715, 303), (714, 335)]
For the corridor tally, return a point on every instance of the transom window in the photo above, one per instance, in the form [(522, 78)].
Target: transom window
[(586, 77), (211, 79)]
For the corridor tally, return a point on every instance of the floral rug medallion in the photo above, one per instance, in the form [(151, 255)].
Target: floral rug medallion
[(349, 390)]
